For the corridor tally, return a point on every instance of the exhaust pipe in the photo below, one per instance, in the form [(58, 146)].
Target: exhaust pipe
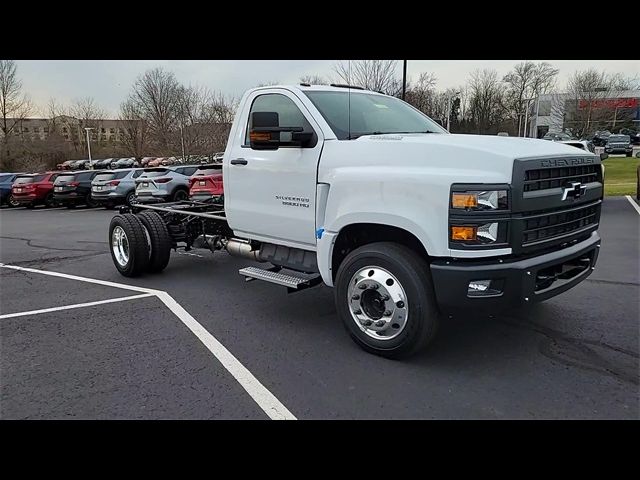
[(238, 248)]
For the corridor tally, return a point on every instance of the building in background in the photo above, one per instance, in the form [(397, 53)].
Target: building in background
[(563, 112)]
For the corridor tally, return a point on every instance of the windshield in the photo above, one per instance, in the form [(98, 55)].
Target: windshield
[(5, 178), (367, 114), (619, 138)]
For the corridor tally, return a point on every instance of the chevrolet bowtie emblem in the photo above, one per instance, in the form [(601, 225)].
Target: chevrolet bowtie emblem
[(575, 190)]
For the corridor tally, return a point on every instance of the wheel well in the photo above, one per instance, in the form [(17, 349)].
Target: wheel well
[(359, 234)]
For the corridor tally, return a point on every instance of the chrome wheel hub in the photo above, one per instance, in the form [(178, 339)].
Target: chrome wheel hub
[(120, 246), (378, 303)]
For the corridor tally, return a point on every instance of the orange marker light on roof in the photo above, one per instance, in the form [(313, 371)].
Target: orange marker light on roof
[(464, 200)]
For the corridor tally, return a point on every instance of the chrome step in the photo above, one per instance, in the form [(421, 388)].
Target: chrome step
[(291, 281)]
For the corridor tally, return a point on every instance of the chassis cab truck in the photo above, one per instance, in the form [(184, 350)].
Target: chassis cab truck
[(407, 222)]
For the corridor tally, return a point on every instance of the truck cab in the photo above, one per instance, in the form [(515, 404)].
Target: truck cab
[(409, 223)]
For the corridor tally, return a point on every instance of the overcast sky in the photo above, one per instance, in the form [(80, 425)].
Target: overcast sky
[(109, 81)]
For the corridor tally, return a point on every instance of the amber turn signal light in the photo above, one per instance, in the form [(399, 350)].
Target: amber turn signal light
[(464, 200), (260, 136), (463, 233)]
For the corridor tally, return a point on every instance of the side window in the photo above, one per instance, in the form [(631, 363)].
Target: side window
[(179, 170), (289, 114), (189, 171), (137, 173), (53, 177)]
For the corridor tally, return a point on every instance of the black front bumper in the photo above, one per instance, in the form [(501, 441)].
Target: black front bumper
[(522, 281)]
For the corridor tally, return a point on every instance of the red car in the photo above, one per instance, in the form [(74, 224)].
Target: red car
[(206, 184), (37, 189)]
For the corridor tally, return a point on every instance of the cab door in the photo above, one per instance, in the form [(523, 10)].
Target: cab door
[(270, 194)]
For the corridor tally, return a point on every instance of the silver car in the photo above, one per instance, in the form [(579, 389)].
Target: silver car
[(164, 184), (115, 187)]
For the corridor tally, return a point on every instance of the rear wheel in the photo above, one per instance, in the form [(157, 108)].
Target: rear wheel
[(129, 247), (131, 198), (180, 195), (159, 240), (385, 298), (12, 202), (49, 201), (91, 203)]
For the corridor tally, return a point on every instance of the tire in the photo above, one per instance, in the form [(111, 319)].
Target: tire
[(419, 311), (91, 203), (159, 238), (71, 205), (49, 201), (31, 205), (137, 248), (12, 202), (130, 200), (180, 194)]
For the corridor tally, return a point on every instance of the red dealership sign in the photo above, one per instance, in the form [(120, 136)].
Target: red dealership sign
[(609, 103)]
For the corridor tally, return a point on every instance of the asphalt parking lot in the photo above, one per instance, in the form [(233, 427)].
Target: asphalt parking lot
[(575, 356)]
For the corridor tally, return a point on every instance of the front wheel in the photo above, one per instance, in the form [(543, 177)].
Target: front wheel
[(385, 298)]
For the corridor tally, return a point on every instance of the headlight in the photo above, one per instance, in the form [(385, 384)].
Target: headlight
[(487, 200)]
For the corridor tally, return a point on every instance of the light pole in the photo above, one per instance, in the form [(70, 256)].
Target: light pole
[(89, 146), (182, 141), (404, 78)]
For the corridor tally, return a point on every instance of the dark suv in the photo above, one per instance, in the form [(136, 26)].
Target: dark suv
[(6, 181), (619, 144), (74, 188)]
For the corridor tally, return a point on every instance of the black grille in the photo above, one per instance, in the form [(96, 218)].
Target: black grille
[(550, 224), (545, 178)]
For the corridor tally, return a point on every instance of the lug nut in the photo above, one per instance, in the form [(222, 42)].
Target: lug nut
[(380, 323), (357, 312), (355, 297), (375, 286), (400, 304), (385, 298), (368, 323), (387, 313), (362, 286)]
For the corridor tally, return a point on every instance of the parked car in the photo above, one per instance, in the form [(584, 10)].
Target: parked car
[(633, 135), (74, 188), (115, 187), (557, 136), (145, 161), (207, 184), (163, 184), (103, 164), (6, 181), (129, 162), (581, 144), (78, 164), (36, 189), (600, 138), (169, 161), (156, 162), (65, 165), (617, 144), (217, 158)]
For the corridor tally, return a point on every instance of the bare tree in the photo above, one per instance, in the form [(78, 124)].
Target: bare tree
[(486, 100), (84, 113), (526, 81), (422, 94), (590, 102), (156, 95), (314, 80), (376, 75), (134, 136), (14, 105)]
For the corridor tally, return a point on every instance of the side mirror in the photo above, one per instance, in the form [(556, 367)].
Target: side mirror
[(604, 156), (266, 132)]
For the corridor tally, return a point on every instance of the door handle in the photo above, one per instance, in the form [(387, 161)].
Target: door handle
[(239, 161)]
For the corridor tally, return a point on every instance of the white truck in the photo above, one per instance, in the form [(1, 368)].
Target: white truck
[(364, 193)]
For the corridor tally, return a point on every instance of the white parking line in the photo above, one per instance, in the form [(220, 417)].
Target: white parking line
[(633, 203), (76, 305), (268, 402)]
